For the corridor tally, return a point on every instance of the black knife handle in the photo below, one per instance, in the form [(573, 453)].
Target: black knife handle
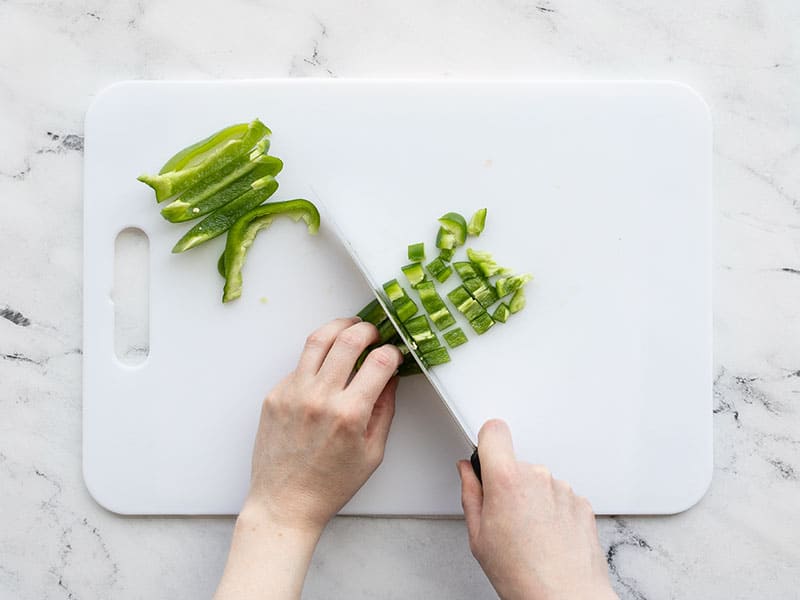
[(476, 464)]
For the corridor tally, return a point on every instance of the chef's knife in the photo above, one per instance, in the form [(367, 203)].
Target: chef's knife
[(386, 305)]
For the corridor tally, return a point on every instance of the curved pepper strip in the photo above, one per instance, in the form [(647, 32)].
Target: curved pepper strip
[(247, 227), (203, 162)]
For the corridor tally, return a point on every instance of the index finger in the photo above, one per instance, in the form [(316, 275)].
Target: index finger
[(319, 343), (378, 368), (496, 450)]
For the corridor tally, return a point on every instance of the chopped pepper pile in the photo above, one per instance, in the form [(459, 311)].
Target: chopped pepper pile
[(473, 298)]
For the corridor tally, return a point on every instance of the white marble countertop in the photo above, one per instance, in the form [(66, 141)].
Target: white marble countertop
[(741, 541)]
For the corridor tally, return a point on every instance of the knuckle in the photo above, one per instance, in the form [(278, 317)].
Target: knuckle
[(542, 473), (562, 486), (313, 411), (316, 339), (384, 357), (347, 419), (354, 337), (505, 475)]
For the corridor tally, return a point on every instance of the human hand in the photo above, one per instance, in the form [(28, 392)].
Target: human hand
[(323, 433), (533, 536)]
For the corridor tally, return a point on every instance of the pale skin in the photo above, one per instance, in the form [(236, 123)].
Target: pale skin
[(322, 434)]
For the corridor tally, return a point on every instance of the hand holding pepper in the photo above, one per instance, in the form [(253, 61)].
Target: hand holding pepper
[(322, 434)]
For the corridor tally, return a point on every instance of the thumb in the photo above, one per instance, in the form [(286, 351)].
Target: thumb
[(381, 418), (471, 498)]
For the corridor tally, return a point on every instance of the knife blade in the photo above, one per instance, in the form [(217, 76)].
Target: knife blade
[(386, 305)]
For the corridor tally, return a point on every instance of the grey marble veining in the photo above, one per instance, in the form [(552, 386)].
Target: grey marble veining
[(741, 541)]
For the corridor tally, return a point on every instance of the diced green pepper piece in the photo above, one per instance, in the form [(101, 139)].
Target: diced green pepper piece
[(455, 337), (517, 302), (403, 348), (416, 252), (471, 309), (373, 313), (485, 263), (394, 290), (482, 290), (446, 254), (444, 275), (456, 225), (409, 367), (420, 331), (437, 356), (405, 308), (458, 296), (386, 331), (477, 222), (427, 291), (414, 273), (429, 345), (442, 318), (433, 303), (482, 323), (501, 313), (436, 267), (222, 219), (417, 325), (244, 231), (445, 240), (203, 160), (509, 285), (465, 269), (234, 180)]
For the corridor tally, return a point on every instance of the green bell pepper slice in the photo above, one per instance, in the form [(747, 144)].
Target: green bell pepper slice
[(200, 161), (509, 285), (465, 269), (436, 356), (455, 225), (416, 252), (372, 313), (244, 231), (501, 313), (229, 183), (455, 337), (482, 323), (414, 273), (517, 302), (198, 150), (485, 263), (222, 219), (477, 222)]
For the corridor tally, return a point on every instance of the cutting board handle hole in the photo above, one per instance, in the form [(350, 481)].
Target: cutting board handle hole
[(131, 296)]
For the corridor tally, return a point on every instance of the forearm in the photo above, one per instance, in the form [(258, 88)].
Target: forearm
[(267, 561)]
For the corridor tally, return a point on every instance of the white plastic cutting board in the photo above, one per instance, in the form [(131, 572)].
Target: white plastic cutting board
[(601, 190)]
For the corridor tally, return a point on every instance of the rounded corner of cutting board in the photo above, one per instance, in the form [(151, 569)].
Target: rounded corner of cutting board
[(100, 494)]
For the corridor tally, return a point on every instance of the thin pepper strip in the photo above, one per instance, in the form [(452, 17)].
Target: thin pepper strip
[(244, 232), (234, 180), (202, 164), (199, 150), (219, 221)]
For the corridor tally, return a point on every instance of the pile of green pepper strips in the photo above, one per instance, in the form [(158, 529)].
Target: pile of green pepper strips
[(226, 178)]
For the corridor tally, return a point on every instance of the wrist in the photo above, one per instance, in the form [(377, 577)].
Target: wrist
[(260, 518)]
